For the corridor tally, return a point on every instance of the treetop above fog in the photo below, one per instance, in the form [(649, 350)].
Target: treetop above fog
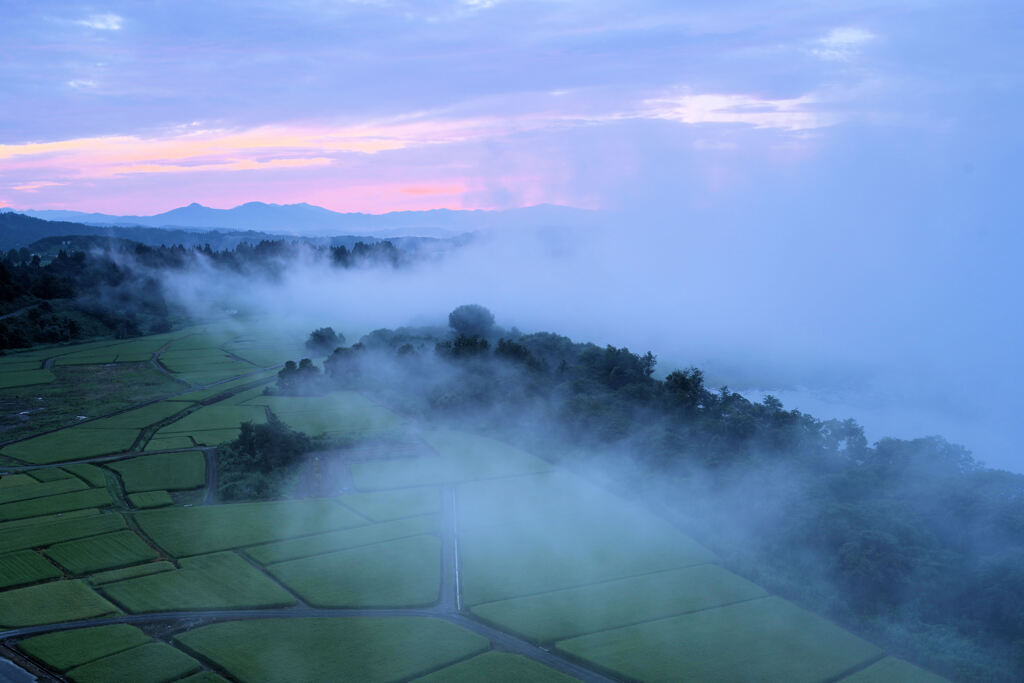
[(471, 320)]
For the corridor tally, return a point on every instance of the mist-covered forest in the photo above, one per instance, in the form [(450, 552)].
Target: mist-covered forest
[(910, 542), (72, 287)]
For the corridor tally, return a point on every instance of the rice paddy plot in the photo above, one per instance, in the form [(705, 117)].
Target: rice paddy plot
[(48, 533), (40, 490), (25, 567), (130, 572), (73, 443), (891, 669), (25, 377), (51, 603), (340, 412), (150, 663), (139, 417), (9, 480), (528, 499), (13, 364), (48, 474), (65, 650), (765, 640), (210, 392), (75, 500), (497, 667), (92, 475), (197, 530), (109, 551), (162, 472), (557, 615), (169, 443), (215, 417), (218, 581), (203, 677), (381, 506), (461, 457), (150, 499), (322, 649), (306, 546), (46, 519), (401, 573), (552, 554)]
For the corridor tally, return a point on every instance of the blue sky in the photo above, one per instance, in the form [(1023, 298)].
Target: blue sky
[(372, 105)]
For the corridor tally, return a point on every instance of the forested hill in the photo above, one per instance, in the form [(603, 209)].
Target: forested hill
[(76, 286), (19, 231)]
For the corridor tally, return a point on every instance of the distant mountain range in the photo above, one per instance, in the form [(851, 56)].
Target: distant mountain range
[(42, 236), (308, 220)]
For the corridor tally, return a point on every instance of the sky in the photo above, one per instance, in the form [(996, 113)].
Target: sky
[(799, 191), (375, 105)]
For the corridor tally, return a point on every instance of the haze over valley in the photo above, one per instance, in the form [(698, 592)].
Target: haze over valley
[(511, 340)]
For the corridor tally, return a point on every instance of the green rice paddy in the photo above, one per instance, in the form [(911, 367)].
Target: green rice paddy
[(400, 573), (65, 650), (320, 649), (544, 556), (162, 472), (218, 581), (96, 553)]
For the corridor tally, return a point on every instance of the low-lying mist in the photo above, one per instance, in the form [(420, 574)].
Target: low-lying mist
[(874, 340)]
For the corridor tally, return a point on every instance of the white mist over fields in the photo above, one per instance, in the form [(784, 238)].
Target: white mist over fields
[(884, 297)]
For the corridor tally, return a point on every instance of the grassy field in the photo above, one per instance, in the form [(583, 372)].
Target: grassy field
[(765, 640), (71, 444), (51, 603), (562, 614), (332, 649), (65, 650), (306, 546), (54, 531), (75, 500), (162, 472), (149, 663), (197, 530), (401, 573), (497, 667), (25, 567), (218, 581), (96, 553)]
